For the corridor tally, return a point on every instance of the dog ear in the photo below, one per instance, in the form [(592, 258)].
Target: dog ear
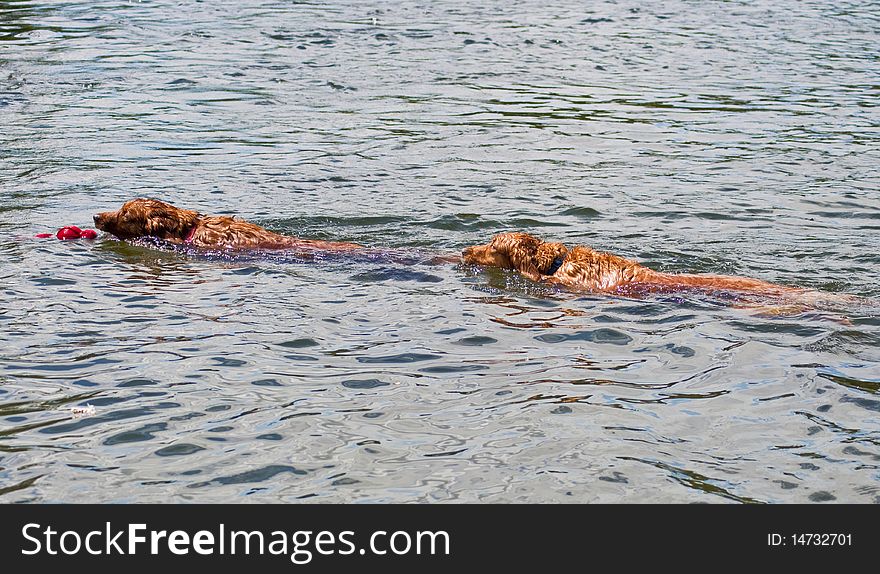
[(521, 249), (168, 224)]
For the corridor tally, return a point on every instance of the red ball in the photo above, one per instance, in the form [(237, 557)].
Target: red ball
[(89, 234), (69, 232)]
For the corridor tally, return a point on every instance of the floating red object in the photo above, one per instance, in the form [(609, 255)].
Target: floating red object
[(70, 232)]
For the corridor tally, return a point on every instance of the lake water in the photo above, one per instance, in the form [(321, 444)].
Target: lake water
[(726, 137)]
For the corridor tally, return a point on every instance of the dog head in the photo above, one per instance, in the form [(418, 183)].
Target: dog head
[(147, 217), (519, 251)]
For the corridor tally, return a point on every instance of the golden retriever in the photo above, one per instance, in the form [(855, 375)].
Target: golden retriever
[(586, 269), (153, 218)]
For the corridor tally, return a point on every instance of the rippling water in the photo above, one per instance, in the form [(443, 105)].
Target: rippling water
[(723, 137)]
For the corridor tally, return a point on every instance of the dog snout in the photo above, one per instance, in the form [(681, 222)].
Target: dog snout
[(100, 219), (471, 254)]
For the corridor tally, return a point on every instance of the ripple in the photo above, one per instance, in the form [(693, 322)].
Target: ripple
[(601, 336), (582, 212), (108, 417), (853, 383), (365, 384), (401, 358), (396, 275), (257, 475), (143, 433), (180, 449), (395, 374), (299, 343)]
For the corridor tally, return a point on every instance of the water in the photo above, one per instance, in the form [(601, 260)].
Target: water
[(723, 137)]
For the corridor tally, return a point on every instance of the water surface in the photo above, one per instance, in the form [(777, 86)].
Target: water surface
[(726, 137)]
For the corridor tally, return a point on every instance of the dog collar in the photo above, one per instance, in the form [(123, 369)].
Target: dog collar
[(557, 263)]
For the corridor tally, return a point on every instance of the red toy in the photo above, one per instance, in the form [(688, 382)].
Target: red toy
[(71, 232)]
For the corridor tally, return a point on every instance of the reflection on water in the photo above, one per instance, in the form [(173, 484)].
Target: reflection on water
[(739, 138)]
